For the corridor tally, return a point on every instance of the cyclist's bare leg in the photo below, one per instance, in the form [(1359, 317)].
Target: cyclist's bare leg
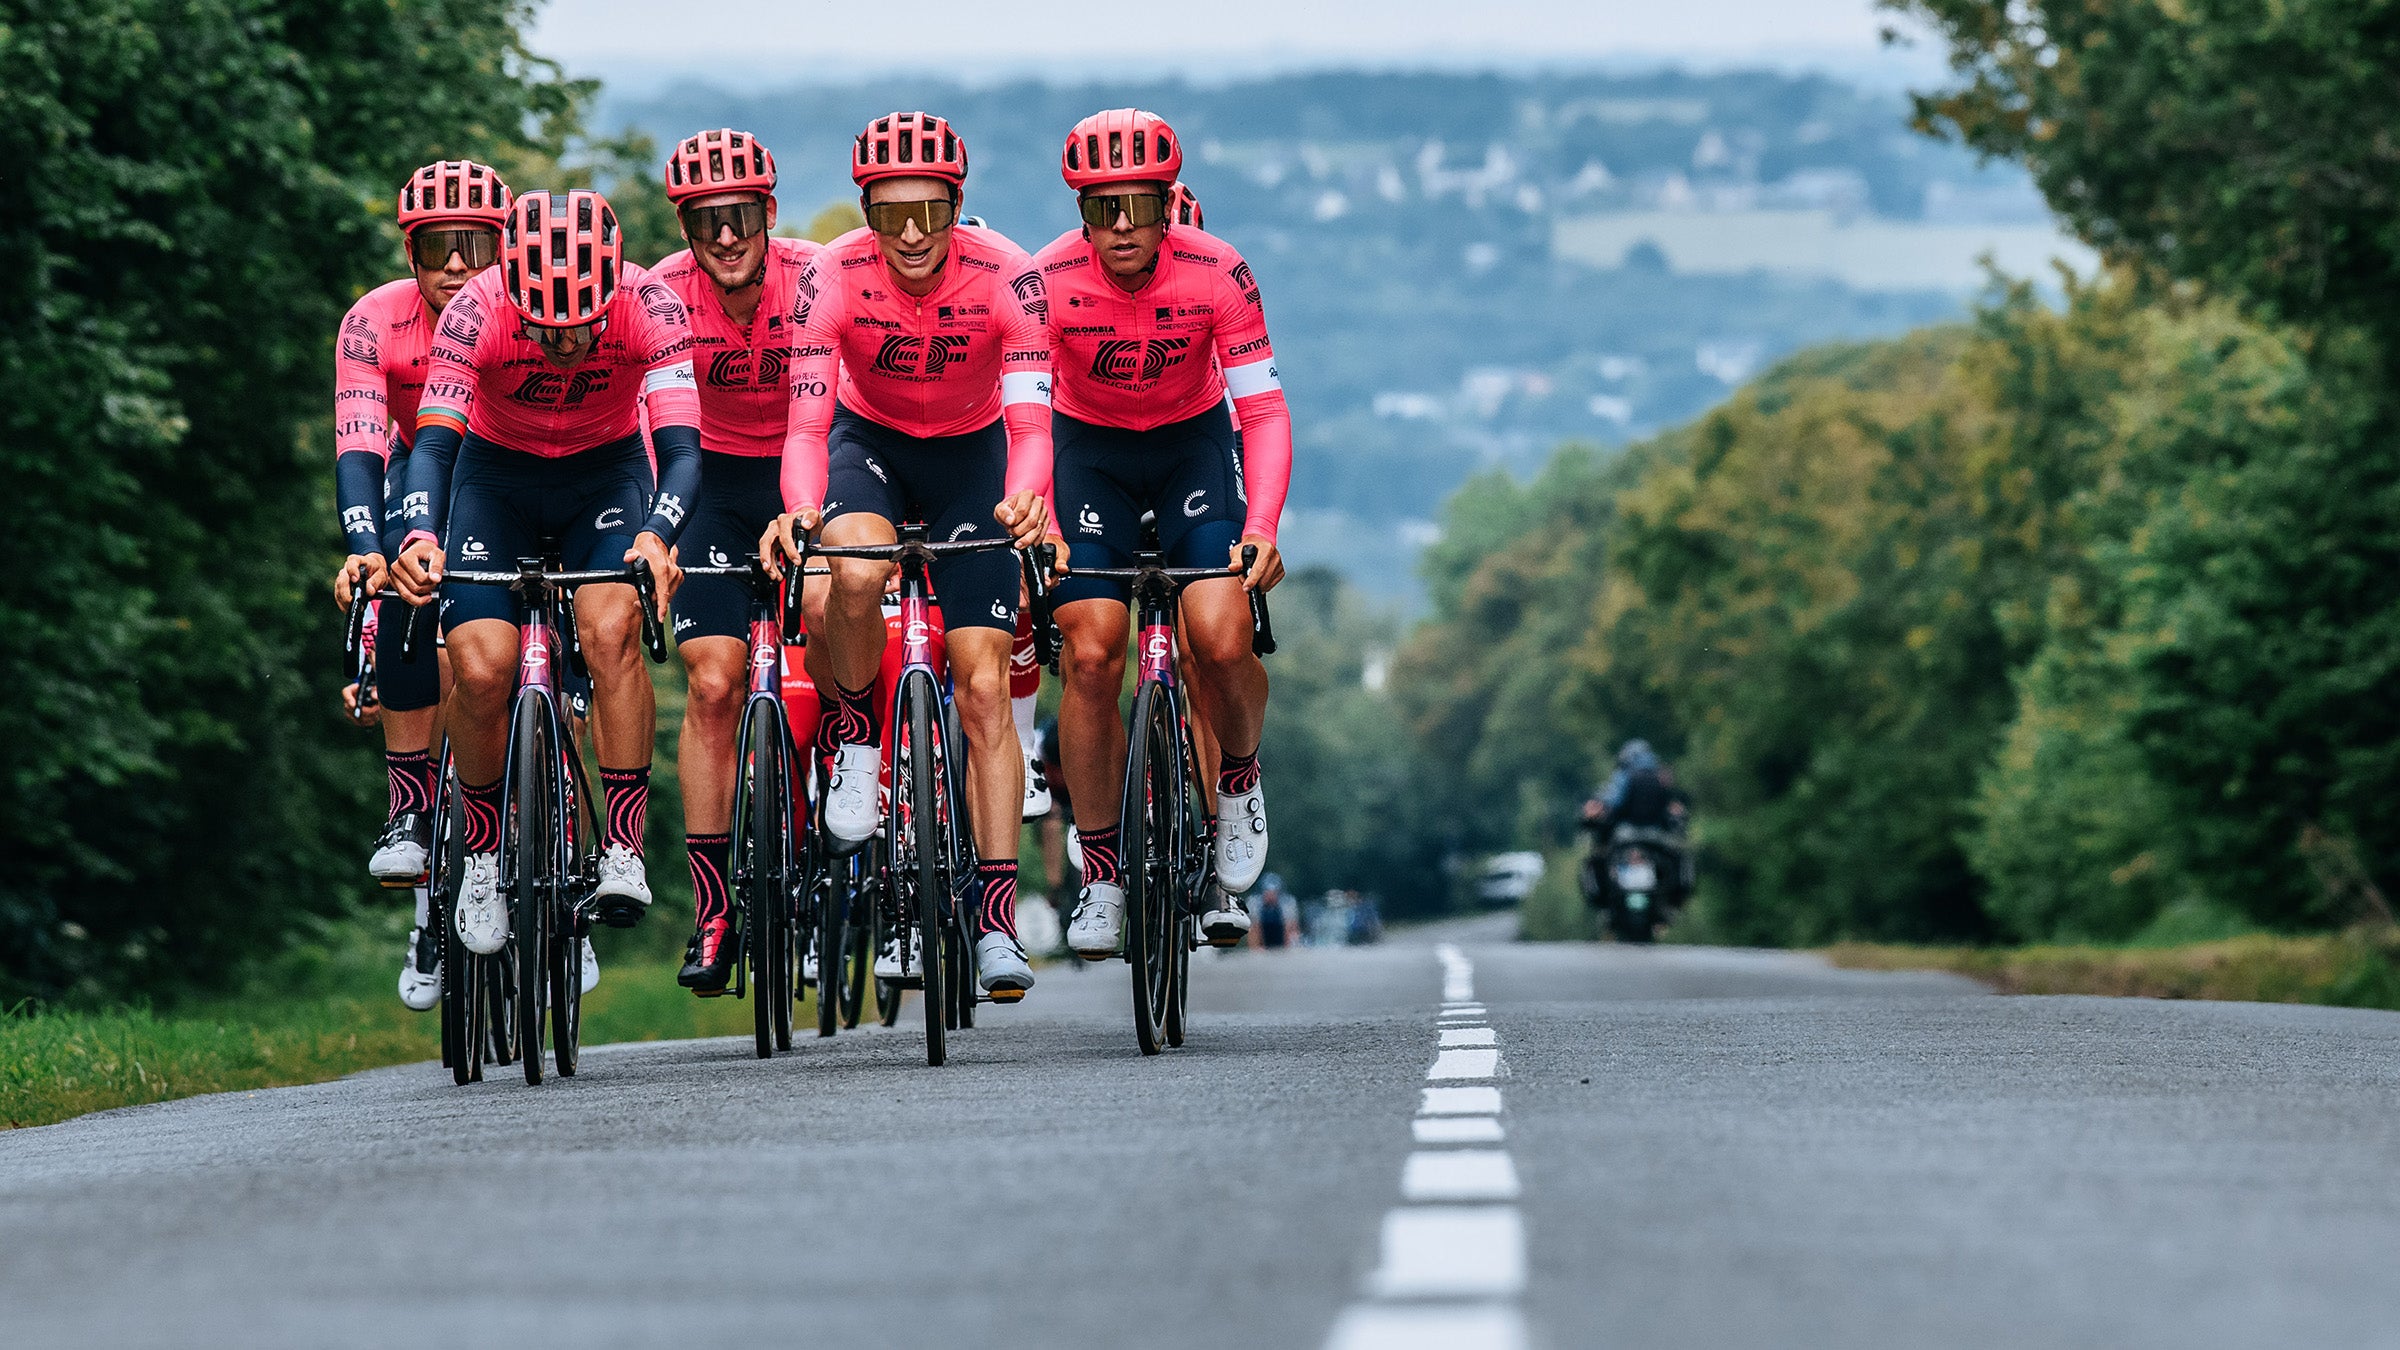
[(1091, 728), (1204, 740), (847, 609), (405, 733), (995, 761), (624, 705), (715, 669), (1231, 691), (483, 666)]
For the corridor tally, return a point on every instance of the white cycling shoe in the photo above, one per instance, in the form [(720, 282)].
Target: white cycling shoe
[(1098, 928), (482, 917), (808, 963), (888, 965), (591, 967), (420, 990), (1228, 923), (624, 893), (1241, 839), (852, 803), (1037, 789), (401, 850), (1001, 967)]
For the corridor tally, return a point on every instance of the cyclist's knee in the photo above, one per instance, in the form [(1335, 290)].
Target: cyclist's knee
[(1093, 658), (713, 670), (610, 625), (857, 584)]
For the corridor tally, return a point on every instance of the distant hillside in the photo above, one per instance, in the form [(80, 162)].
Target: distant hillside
[(1447, 260)]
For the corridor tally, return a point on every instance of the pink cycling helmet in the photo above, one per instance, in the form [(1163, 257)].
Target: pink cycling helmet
[(724, 160), (909, 145), (455, 190), (1122, 145), (563, 254), (1182, 207)]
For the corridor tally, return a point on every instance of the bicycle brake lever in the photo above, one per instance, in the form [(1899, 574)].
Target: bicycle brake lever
[(645, 589), (411, 616), (1040, 561), (1262, 630), (794, 635)]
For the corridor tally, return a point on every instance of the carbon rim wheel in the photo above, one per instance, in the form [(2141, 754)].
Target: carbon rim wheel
[(527, 853), (462, 988), (496, 1006), (577, 875), (958, 861), (916, 855)]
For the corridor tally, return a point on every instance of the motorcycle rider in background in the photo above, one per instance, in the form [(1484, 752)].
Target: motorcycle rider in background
[(1639, 800)]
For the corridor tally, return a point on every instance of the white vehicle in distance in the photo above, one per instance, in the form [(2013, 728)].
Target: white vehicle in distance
[(1507, 878)]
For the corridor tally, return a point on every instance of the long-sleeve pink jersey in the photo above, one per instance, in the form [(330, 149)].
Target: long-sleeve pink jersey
[(488, 378), (937, 365), (744, 374), (1171, 350), (379, 370)]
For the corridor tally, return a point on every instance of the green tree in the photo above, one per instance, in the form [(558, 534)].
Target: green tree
[(190, 194)]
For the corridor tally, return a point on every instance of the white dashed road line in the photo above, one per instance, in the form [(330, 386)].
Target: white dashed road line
[(1452, 1260)]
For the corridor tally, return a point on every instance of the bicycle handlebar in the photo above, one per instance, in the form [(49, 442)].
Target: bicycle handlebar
[(892, 551), (1262, 628), (635, 573)]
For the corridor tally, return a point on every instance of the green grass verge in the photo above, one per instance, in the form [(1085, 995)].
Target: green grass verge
[(320, 1014), (2357, 969)]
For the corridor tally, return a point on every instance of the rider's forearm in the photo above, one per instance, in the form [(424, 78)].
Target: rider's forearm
[(678, 451), (1266, 459), (358, 490), (427, 500)]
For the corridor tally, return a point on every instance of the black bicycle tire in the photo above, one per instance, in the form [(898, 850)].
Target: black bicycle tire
[(959, 856), (1193, 866), (913, 761), (1146, 899), (576, 860), (496, 1008), (753, 868), (831, 935), (460, 989), (527, 846)]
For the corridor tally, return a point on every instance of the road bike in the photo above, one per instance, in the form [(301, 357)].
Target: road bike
[(929, 836), (549, 829), (1167, 835)]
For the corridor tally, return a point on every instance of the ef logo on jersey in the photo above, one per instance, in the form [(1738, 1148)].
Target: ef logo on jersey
[(1136, 360)]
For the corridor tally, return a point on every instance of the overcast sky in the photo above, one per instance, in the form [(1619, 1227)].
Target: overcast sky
[(822, 40)]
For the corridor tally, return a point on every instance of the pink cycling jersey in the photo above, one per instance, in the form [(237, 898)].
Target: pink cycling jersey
[(938, 365), (379, 370), (744, 381), (488, 378), (1193, 333)]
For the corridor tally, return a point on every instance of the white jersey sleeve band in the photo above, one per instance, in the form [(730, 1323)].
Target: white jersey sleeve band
[(670, 376), (1258, 377), (1025, 386)]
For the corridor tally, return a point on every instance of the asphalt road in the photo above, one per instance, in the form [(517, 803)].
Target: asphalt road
[(1678, 1147)]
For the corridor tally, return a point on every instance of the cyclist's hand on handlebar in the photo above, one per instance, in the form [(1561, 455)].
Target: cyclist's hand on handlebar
[(664, 572), (365, 717), (1025, 516), (348, 581), (1058, 565), (419, 571), (1267, 571), (782, 539)]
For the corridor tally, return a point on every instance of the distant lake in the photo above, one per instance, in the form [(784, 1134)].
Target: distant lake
[(1866, 252)]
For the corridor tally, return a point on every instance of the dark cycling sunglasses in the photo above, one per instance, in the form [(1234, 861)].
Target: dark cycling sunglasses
[(432, 248), (543, 336), (702, 223), (892, 218), (1141, 208)]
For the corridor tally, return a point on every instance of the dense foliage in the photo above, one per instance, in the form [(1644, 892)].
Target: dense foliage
[(2069, 622), (190, 194)]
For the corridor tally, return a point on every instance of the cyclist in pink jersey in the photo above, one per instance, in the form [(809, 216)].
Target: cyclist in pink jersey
[(527, 446), (450, 216), (931, 331), (1152, 323), (736, 281)]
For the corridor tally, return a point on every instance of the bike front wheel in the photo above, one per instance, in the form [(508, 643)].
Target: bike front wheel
[(1153, 865)]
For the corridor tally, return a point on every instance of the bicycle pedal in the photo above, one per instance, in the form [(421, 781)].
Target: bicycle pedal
[(710, 993), (404, 883), (1003, 996), (618, 912)]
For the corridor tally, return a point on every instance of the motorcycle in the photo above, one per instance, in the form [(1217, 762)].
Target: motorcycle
[(1636, 880)]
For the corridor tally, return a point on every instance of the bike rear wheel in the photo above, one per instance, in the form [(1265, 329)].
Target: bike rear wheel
[(463, 1004), (917, 852), (1151, 868), (958, 859)]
